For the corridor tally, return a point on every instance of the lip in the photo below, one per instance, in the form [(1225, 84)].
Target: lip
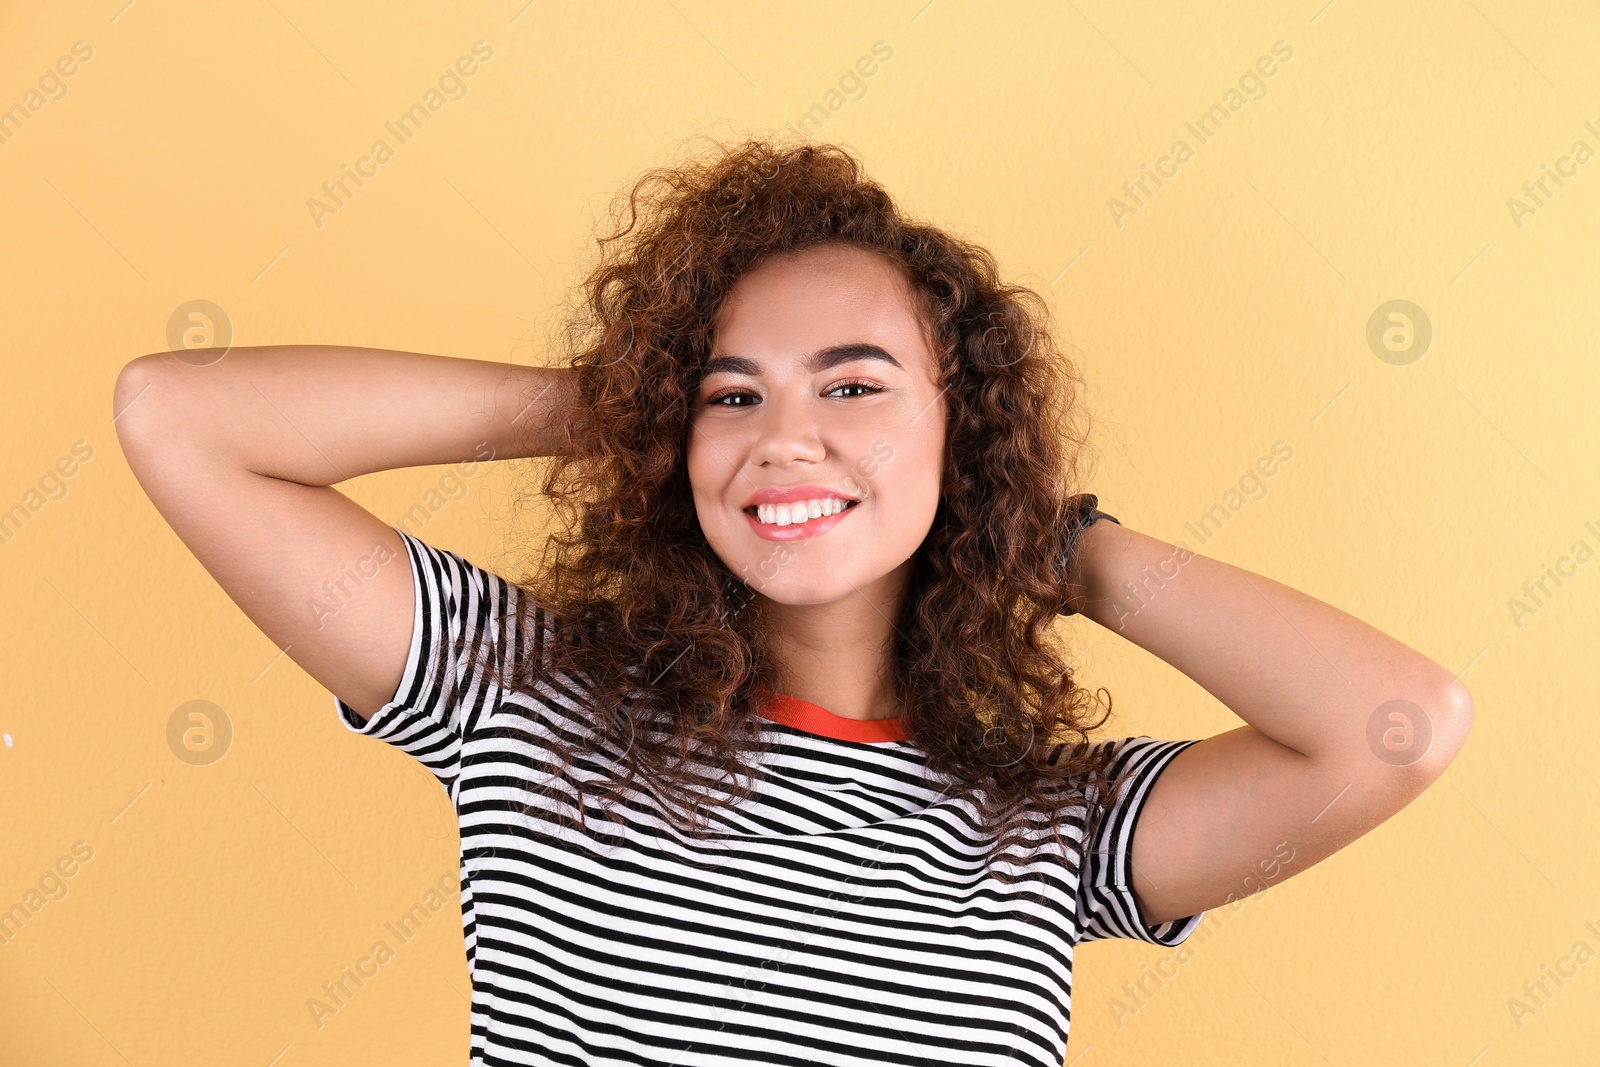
[(781, 495), (798, 531)]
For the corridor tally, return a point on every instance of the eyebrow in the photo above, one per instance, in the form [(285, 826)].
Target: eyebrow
[(820, 360)]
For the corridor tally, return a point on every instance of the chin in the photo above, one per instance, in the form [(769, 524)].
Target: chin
[(799, 585), (794, 598)]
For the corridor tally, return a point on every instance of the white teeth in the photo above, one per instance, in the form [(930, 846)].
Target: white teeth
[(798, 511)]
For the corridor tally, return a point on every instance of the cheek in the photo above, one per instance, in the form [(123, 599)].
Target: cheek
[(699, 459), (909, 464), (708, 481)]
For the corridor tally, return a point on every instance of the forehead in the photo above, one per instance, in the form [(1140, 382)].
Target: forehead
[(798, 302)]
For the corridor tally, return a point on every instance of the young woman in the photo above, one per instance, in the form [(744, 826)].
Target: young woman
[(779, 760)]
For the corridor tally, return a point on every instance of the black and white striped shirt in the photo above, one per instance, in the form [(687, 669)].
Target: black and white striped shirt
[(843, 917)]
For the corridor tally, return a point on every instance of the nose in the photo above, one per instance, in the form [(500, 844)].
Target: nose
[(786, 431)]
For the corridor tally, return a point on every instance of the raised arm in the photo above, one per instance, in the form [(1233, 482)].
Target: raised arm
[(240, 456), (1345, 725)]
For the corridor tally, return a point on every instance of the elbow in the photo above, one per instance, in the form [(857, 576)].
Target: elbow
[(1464, 710), (132, 398), (132, 381), (1450, 719)]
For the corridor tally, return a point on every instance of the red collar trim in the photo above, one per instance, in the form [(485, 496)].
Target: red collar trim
[(814, 719)]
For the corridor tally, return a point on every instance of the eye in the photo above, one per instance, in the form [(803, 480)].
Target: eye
[(717, 400), (870, 387)]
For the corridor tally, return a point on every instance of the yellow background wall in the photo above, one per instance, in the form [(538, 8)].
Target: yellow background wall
[(1222, 312)]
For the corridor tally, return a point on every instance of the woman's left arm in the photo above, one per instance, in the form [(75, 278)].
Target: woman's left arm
[(1345, 725)]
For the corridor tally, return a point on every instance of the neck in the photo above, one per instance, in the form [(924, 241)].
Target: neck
[(838, 655)]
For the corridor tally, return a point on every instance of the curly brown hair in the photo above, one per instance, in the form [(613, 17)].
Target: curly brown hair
[(672, 649)]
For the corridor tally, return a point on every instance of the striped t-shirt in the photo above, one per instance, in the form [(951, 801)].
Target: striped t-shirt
[(844, 916)]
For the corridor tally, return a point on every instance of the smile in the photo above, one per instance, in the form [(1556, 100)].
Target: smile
[(797, 531)]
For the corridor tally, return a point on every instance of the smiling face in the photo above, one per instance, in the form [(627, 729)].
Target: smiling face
[(821, 380)]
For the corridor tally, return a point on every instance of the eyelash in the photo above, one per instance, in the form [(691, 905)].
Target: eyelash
[(716, 400)]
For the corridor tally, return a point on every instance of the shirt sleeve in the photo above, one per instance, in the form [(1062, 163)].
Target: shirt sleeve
[(459, 632), (1107, 907)]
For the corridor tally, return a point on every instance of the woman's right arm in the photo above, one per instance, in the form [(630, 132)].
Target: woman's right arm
[(240, 457)]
